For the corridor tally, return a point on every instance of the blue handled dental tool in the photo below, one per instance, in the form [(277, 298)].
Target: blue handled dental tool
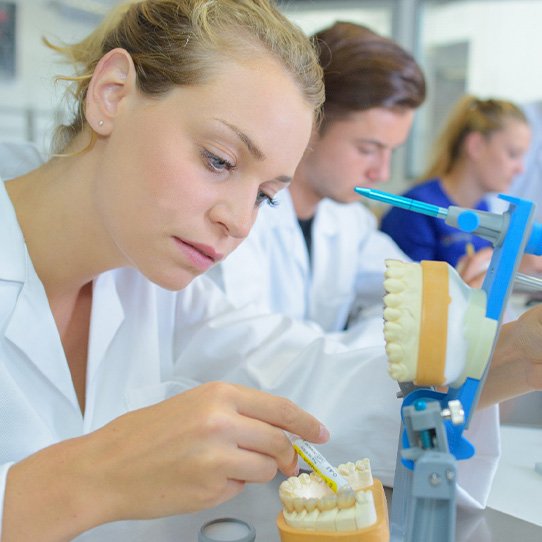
[(488, 225), (404, 203)]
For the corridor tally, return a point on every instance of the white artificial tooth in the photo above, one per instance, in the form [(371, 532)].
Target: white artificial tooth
[(363, 465), (361, 497), (304, 478), (299, 504), (394, 274), (393, 300), (364, 476), (391, 314), (393, 285), (310, 504), (316, 478), (391, 333), (398, 371), (346, 498), (395, 352), (345, 468), (287, 503), (365, 510), (286, 488), (326, 520), (327, 503)]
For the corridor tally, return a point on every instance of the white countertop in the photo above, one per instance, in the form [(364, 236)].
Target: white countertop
[(517, 488)]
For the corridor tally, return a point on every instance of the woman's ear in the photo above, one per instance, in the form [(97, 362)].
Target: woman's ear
[(474, 142), (113, 80)]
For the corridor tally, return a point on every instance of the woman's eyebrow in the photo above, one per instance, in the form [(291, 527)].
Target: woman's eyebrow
[(251, 146), (368, 141), (284, 179)]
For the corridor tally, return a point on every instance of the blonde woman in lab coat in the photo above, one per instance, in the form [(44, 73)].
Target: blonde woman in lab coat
[(189, 115), (109, 337), (318, 255)]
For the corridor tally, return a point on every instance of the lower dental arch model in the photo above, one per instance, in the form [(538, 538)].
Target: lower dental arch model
[(435, 326), (310, 505)]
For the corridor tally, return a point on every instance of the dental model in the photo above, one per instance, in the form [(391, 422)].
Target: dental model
[(435, 326), (313, 512)]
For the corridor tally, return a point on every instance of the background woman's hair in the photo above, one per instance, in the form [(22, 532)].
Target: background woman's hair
[(363, 70), (470, 114), (183, 42)]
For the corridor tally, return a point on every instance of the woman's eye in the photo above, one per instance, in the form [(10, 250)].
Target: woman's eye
[(216, 163), (264, 198)]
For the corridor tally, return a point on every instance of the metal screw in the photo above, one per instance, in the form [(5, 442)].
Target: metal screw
[(454, 412)]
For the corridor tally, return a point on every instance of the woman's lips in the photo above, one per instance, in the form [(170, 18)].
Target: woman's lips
[(200, 256)]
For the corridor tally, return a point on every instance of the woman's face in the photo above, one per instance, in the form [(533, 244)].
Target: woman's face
[(500, 156), (182, 176)]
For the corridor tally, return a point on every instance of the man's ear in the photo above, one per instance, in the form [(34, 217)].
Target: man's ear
[(114, 79)]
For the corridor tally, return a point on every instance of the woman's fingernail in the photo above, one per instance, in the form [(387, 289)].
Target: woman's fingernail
[(324, 433)]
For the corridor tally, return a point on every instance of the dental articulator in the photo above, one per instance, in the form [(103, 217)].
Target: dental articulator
[(457, 329), (440, 335)]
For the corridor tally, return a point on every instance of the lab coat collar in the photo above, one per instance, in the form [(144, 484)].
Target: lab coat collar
[(31, 326), (286, 216), (12, 247), (32, 330), (331, 210)]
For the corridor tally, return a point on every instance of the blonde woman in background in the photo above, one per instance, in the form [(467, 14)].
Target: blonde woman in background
[(480, 150)]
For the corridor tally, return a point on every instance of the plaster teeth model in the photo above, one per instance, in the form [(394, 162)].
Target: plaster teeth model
[(310, 505), (435, 326)]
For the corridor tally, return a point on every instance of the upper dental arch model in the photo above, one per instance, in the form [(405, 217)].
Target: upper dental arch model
[(435, 326)]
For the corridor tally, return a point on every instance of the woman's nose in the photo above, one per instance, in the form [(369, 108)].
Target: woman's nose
[(236, 214)]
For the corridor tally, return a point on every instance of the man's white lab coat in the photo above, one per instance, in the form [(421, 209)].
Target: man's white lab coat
[(272, 268)]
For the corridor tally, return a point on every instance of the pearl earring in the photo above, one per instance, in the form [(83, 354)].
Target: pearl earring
[(100, 123)]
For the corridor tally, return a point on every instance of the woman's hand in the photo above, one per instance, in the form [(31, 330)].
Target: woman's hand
[(190, 452), (472, 267), (516, 367)]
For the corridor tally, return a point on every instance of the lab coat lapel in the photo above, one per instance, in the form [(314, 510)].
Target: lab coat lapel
[(326, 268), (107, 316), (286, 220), (31, 328)]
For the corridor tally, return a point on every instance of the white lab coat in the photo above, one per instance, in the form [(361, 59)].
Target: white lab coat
[(271, 267), (146, 344)]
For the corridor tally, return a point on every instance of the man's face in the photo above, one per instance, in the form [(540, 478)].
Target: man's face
[(354, 151)]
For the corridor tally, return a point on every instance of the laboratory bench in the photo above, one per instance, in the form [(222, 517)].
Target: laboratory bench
[(514, 512)]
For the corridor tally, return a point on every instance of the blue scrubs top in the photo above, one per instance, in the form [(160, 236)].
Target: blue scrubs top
[(427, 238)]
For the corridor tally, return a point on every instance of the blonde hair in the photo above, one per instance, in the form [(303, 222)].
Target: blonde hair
[(181, 42), (470, 114)]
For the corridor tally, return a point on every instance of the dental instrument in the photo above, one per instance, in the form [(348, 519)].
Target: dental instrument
[(318, 463)]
